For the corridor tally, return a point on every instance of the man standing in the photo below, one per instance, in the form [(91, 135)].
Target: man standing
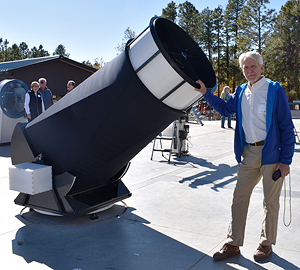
[(46, 93), (264, 137), (70, 86)]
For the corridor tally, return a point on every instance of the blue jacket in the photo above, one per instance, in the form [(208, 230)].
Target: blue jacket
[(280, 139), (47, 97)]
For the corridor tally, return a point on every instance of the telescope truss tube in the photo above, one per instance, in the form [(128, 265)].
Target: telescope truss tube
[(91, 134)]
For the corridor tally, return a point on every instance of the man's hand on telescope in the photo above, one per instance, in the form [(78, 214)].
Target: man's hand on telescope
[(202, 88)]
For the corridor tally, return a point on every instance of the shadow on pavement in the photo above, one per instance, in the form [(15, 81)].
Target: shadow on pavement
[(115, 243)]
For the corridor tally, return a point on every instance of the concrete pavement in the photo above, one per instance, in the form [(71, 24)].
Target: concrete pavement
[(176, 218)]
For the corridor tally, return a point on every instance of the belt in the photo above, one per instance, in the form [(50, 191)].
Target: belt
[(257, 143)]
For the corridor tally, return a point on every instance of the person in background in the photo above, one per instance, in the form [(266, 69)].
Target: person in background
[(70, 86), (46, 93), (226, 96), (264, 143), (34, 104)]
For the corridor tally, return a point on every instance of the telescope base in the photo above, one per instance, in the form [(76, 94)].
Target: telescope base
[(92, 214), (75, 205)]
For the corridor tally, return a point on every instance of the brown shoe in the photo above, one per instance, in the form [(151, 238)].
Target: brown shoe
[(262, 253), (226, 251)]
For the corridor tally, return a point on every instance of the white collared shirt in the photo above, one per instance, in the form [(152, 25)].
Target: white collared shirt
[(254, 108)]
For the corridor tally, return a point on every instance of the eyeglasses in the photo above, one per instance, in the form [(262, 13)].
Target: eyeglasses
[(42, 82)]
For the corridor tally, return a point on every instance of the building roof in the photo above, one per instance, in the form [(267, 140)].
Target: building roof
[(26, 63)]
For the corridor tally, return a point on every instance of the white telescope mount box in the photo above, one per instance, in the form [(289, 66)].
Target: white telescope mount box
[(30, 178)]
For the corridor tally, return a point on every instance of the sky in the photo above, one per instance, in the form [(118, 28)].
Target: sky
[(88, 29)]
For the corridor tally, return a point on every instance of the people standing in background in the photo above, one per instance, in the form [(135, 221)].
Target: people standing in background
[(34, 104), (70, 86), (226, 96), (46, 93)]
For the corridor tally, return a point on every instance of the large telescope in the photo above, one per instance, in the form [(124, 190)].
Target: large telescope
[(90, 135)]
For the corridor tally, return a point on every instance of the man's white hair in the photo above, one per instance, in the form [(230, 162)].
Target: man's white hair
[(42, 79), (254, 55)]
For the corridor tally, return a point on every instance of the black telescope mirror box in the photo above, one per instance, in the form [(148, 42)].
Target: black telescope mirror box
[(90, 135)]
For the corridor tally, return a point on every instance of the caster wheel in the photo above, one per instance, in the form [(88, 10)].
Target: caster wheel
[(93, 216)]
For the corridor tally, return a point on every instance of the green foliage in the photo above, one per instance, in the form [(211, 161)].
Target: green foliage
[(243, 25), (170, 12), (256, 22), (282, 49), (14, 52), (4, 53), (207, 36), (24, 50), (233, 11), (61, 50), (189, 20), (38, 52), (218, 48)]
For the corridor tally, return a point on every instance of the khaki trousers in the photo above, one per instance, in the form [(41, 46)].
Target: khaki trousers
[(249, 174)]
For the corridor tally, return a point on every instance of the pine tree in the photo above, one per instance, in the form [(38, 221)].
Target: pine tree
[(218, 48), (282, 49), (233, 11), (24, 50), (1, 50), (61, 50), (256, 23), (38, 52), (188, 17), (207, 36), (15, 53), (170, 12), (5, 50), (42, 52)]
